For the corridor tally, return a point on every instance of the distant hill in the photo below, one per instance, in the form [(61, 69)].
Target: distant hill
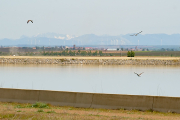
[(54, 39)]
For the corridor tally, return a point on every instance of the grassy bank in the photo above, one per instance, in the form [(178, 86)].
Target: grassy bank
[(47, 111)]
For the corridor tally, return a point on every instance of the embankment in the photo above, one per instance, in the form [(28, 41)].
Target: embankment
[(92, 100), (91, 60)]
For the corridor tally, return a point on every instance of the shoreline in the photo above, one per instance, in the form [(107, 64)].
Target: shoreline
[(94, 57)]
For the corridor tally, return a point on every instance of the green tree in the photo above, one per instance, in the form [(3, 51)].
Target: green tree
[(132, 53), (100, 53), (90, 53), (128, 54), (95, 53), (63, 52), (59, 53), (71, 53), (55, 53), (83, 53)]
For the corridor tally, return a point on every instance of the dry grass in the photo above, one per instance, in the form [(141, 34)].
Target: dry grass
[(26, 111)]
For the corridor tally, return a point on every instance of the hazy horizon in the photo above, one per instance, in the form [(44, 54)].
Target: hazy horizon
[(99, 17)]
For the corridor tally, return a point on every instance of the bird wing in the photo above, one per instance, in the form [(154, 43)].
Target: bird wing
[(135, 73), (141, 73), (133, 35), (30, 20), (138, 33)]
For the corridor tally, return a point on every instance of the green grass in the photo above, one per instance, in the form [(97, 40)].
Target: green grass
[(19, 106), (40, 110), (52, 111), (40, 105)]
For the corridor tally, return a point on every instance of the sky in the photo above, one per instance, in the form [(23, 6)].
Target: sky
[(79, 17)]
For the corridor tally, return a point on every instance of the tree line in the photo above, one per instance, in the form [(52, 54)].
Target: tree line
[(65, 53), (73, 53)]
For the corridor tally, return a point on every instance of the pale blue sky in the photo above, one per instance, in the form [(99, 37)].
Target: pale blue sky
[(78, 17)]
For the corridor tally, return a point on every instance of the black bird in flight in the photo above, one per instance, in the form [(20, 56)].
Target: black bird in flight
[(136, 34), (29, 21), (139, 75)]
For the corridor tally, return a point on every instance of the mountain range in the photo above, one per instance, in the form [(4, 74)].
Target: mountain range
[(55, 39)]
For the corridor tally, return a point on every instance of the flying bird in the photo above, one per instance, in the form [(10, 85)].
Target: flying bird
[(139, 75), (29, 21), (136, 34)]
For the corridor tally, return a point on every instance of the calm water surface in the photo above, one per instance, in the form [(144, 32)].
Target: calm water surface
[(159, 80)]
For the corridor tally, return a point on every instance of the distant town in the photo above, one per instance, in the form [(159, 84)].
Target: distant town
[(89, 51), (104, 48)]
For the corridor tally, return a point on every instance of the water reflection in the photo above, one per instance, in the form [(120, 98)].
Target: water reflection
[(156, 80)]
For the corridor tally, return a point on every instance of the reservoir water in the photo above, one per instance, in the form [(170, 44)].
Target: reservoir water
[(114, 79)]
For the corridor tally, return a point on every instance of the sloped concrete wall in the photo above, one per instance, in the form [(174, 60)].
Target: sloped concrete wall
[(92, 100), (166, 104), (18, 95), (115, 101), (66, 98), (105, 61)]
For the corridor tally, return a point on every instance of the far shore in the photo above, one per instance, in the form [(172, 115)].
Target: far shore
[(94, 57)]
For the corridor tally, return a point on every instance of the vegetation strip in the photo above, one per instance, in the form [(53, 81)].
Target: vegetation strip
[(46, 111)]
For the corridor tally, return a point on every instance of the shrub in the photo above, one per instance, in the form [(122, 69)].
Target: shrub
[(100, 53), (19, 106), (40, 105), (51, 111), (130, 54), (40, 110)]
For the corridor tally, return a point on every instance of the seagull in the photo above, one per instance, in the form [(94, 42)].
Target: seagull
[(136, 34), (29, 21), (139, 75)]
